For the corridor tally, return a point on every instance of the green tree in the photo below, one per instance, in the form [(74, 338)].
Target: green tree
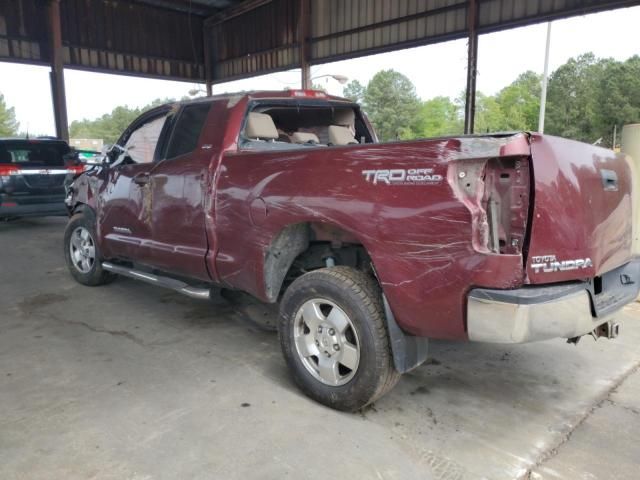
[(617, 99), (519, 102), (489, 116), (354, 91), (440, 116), (572, 98), (110, 125), (392, 104), (8, 123)]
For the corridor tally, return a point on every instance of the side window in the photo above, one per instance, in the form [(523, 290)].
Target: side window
[(187, 129), (142, 142)]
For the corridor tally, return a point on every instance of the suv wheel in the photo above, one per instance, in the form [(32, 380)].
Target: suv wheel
[(82, 253), (334, 338)]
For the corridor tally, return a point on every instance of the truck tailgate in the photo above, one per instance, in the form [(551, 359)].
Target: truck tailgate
[(581, 224)]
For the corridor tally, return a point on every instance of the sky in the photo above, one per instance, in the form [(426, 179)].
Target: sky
[(435, 69)]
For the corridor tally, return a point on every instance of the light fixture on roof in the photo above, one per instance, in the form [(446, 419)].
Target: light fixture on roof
[(341, 79)]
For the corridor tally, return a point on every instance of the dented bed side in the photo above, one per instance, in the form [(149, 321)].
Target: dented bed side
[(407, 203)]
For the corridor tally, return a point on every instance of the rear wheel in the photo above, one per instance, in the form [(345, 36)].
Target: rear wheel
[(82, 253), (334, 338)]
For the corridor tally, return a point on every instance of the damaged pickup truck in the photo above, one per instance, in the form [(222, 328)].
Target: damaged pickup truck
[(370, 248)]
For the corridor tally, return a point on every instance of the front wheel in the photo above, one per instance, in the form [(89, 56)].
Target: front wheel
[(334, 338), (82, 253)]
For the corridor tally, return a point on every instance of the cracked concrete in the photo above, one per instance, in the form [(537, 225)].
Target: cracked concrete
[(129, 381), (606, 444), (540, 469)]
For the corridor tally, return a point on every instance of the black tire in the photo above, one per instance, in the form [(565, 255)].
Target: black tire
[(359, 297), (95, 275)]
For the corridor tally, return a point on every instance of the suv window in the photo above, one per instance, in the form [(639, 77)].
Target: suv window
[(187, 129), (33, 153), (142, 142)]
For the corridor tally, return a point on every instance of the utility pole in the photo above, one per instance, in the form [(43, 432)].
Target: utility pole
[(545, 81), (472, 67)]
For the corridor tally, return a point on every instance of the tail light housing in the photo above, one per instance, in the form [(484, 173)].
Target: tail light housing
[(76, 169), (497, 193), (7, 170)]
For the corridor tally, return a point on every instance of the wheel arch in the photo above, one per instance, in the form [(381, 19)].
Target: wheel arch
[(80, 207), (294, 240)]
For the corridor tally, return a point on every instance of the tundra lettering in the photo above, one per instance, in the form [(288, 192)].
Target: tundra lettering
[(548, 264)]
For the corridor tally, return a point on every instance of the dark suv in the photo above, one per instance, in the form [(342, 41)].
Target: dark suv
[(32, 176)]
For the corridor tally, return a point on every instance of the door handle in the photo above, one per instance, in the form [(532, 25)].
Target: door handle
[(141, 178), (609, 180)]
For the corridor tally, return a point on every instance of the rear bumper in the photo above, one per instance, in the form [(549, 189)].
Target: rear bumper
[(33, 209), (536, 313)]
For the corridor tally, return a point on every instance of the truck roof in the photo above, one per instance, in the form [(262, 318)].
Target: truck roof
[(267, 94)]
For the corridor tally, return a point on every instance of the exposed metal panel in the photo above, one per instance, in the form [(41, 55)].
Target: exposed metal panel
[(261, 40)]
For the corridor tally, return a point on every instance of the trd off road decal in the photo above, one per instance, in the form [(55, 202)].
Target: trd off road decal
[(403, 176)]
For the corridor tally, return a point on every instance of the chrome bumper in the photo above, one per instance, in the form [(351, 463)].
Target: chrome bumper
[(536, 313)]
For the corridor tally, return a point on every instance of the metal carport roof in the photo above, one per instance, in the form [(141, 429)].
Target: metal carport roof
[(214, 41)]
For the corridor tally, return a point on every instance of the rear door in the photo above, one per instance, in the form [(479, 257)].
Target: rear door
[(33, 174), (178, 187)]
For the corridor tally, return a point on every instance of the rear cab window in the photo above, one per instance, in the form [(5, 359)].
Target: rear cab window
[(285, 125)]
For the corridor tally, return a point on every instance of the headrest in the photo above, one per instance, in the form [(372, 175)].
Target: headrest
[(260, 125), (344, 117), (341, 136), (304, 137)]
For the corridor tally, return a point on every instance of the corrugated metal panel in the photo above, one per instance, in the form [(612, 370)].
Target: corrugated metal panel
[(501, 14), (106, 35), (23, 31), (261, 40), (124, 37), (341, 28)]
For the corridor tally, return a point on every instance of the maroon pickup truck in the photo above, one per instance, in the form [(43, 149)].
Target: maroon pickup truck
[(370, 248)]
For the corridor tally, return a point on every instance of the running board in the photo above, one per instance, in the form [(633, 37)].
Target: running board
[(166, 282)]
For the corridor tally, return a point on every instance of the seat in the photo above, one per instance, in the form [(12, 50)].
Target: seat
[(339, 135), (304, 137), (345, 117), (260, 126)]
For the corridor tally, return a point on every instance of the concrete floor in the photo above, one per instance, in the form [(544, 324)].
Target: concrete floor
[(129, 381)]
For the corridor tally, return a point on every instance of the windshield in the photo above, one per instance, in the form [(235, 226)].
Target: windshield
[(33, 153)]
